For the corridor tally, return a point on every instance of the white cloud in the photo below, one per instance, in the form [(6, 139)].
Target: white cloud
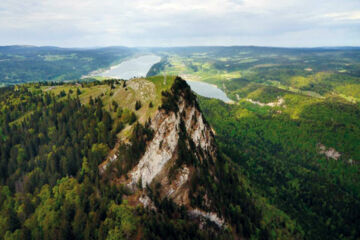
[(186, 22), (344, 16)]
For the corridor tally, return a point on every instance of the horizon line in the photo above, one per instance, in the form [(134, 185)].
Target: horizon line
[(181, 46)]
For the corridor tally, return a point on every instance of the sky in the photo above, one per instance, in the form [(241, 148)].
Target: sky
[(93, 23)]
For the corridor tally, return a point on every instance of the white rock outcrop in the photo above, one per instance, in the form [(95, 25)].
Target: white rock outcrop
[(329, 152), (159, 151), (277, 103), (162, 148), (207, 215)]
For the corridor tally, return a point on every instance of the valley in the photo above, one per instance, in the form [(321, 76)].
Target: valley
[(180, 120), (213, 143), (132, 68), (142, 130)]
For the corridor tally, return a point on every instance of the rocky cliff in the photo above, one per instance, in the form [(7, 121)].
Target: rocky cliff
[(170, 164), (181, 145)]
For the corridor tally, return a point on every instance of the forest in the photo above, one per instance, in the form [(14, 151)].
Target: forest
[(292, 128), (288, 145), (52, 142), (280, 157)]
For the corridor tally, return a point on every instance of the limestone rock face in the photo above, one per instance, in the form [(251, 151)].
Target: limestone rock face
[(182, 143), (161, 153)]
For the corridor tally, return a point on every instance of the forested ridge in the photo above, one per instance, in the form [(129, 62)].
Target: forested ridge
[(292, 126), (280, 156), (52, 143), (270, 180)]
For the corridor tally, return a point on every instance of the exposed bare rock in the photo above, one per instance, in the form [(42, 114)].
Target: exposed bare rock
[(146, 201), (106, 164), (163, 146), (159, 151), (182, 141), (329, 152), (278, 103), (207, 215)]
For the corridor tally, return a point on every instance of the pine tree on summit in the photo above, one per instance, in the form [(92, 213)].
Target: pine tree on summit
[(137, 105)]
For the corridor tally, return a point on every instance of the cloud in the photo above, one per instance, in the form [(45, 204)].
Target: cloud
[(344, 16), (186, 22)]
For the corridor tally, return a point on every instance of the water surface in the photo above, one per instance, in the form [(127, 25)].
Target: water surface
[(208, 90), (139, 67), (135, 67)]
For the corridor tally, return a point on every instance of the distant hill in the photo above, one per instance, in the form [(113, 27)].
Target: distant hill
[(148, 159), (21, 64)]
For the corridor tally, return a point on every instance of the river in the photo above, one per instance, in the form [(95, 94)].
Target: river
[(139, 66), (135, 67), (208, 90)]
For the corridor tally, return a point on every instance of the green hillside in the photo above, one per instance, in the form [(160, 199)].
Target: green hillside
[(280, 151), (288, 144), (293, 129)]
